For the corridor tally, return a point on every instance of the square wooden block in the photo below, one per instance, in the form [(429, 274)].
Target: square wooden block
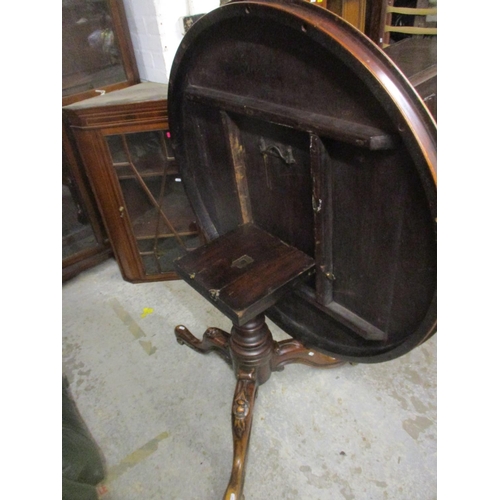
[(243, 272)]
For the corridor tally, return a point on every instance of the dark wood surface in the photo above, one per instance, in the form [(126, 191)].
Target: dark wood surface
[(311, 164), (285, 116), (244, 272)]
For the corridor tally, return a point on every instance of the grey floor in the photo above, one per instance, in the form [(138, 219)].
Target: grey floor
[(160, 412)]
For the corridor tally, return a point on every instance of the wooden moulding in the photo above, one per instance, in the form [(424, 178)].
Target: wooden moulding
[(355, 323), (301, 119)]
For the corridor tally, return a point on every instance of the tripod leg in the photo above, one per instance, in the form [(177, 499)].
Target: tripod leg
[(292, 351), (242, 413), (214, 339)]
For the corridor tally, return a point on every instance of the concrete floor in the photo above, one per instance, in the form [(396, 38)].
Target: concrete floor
[(160, 412)]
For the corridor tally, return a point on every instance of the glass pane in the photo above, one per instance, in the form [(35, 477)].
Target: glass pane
[(77, 232), (91, 57), (162, 220), (159, 258)]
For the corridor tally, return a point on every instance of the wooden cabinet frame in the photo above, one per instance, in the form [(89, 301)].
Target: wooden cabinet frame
[(91, 127), (124, 42), (74, 175)]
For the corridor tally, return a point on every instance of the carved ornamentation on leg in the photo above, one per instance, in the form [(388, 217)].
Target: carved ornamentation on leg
[(253, 355), (292, 351), (214, 339), (242, 413)]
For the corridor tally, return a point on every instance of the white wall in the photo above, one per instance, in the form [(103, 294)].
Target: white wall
[(156, 30)]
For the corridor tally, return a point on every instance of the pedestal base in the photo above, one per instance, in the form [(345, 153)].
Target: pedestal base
[(254, 355)]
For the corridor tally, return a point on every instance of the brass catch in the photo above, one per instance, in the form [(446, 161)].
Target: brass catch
[(242, 262)]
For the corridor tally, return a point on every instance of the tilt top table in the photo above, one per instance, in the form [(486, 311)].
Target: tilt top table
[(310, 162)]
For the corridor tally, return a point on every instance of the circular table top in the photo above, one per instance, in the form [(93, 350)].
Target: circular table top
[(285, 116)]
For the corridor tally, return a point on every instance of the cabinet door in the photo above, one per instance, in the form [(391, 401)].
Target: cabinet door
[(97, 52), (160, 216), (84, 241)]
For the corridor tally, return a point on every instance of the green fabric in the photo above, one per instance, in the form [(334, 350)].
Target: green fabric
[(72, 490), (82, 462)]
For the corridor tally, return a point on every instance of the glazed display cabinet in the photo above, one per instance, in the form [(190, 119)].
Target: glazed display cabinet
[(97, 58), (124, 141), (84, 240), (97, 53)]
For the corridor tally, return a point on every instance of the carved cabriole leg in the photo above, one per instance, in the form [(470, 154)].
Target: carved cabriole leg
[(242, 413), (251, 346), (254, 355), (214, 339), (292, 351)]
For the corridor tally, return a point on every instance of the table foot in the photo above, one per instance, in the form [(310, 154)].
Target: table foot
[(254, 355), (214, 339), (292, 351)]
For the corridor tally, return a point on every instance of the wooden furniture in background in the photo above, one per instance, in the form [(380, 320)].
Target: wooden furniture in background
[(417, 59), (353, 11), (97, 53), (123, 140), (84, 240), (97, 57), (410, 18)]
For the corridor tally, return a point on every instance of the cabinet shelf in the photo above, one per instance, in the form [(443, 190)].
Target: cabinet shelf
[(182, 234), (124, 171), (148, 175)]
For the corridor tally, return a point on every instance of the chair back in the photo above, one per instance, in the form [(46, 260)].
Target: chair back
[(407, 21)]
